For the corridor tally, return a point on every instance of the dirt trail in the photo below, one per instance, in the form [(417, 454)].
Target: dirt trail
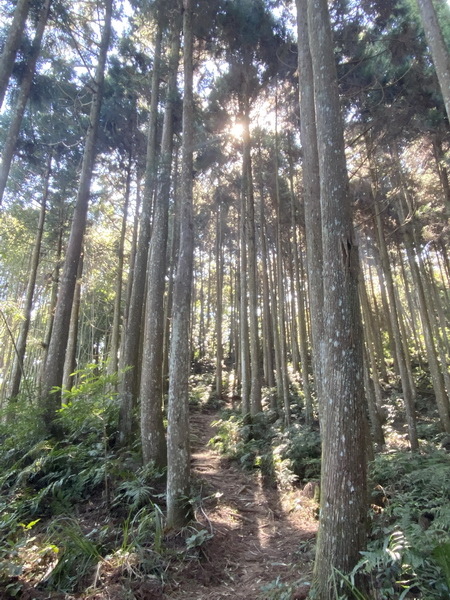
[(258, 534)]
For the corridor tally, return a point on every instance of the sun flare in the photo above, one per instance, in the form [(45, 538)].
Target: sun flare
[(237, 130)]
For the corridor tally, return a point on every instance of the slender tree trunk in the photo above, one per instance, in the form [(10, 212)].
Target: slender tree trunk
[(276, 334), (344, 503), (219, 300), (255, 367), (409, 394), (12, 44), (442, 171), (301, 303), (438, 47), (280, 283), (57, 348), (378, 329), (22, 99), (267, 325), (129, 359), (115, 333), (151, 390), (174, 244), (416, 267), (132, 260), (411, 307), (72, 343), (178, 451), (244, 346), (21, 344), (311, 193), (442, 400), (55, 277), (371, 384)]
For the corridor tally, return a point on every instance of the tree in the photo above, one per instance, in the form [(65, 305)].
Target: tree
[(438, 47), (129, 358), (54, 367), (178, 451), (151, 389), (12, 44), (22, 99), (20, 348), (311, 191), (343, 504)]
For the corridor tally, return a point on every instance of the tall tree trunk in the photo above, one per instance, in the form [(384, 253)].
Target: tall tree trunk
[(55, 277), (311, 193), (22, 98), (219, 299), (249, 216), (438, 47), (267, 325), (437, 379), (21, 344), (276, 334), (72, 343), (174, 244), (301, 302), (344, 503), (439, 157), (129, 359), (12, 44), (151, 390), (409, 393), (381, 362), (244, 346), (115, 333), (178, 451), (415, 261), (54, 367), (371, 384)]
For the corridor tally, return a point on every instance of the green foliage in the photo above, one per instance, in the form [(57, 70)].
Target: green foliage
[(44, 478), (283, 455), (77, 554), (302, 447), (138, 489), (40, 476), (198, 538), (411, 545)]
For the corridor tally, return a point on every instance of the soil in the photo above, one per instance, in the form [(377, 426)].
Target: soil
[(260, 536), (256, 541)]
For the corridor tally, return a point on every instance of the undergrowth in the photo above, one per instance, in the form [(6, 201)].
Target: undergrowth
[(70, 506), (284, 455), (408, 555)]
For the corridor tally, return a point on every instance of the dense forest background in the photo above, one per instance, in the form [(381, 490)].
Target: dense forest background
[(236, 205)]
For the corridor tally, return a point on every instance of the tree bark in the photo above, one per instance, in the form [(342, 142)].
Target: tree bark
[(22, 99), (178, 451), (219, 300), (54, 367), (21, 344), (311, 193), (72, 343), (115, 332), (129, 359), (151, 389), (249, 216), (438, 47), (12, 44), (344, 503)]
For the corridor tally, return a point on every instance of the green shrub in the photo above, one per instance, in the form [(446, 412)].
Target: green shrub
[(411, 536)]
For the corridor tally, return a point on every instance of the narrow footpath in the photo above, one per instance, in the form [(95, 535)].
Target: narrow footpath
[(262, 540)]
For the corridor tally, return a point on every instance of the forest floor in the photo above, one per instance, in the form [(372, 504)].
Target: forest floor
[(262, 539), (250, 540)]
